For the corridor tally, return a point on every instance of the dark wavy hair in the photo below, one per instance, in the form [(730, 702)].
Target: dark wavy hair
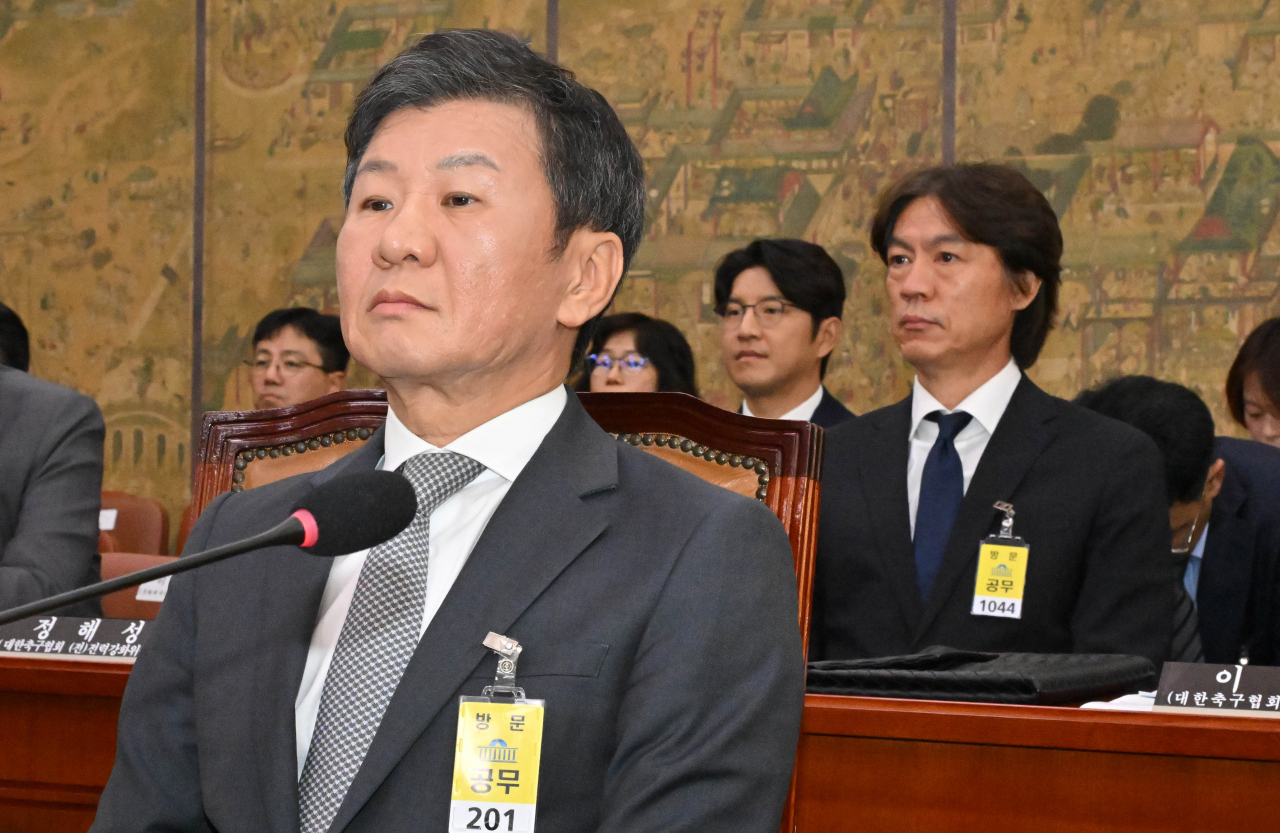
[(657, 340), (1259, 354), (996, 206), (592, 166), (1172, 415)]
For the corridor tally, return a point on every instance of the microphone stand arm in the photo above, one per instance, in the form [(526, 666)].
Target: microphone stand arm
[(288, 531)]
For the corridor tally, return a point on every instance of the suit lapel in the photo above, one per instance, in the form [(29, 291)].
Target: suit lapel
[(1023, 433), (1226, 570), (541, 526), (883, 472), (282, 646)]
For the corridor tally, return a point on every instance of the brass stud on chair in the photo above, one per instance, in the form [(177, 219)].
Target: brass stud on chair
[(721, 458)]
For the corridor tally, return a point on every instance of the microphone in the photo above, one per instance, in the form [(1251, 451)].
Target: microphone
[(345, 515)]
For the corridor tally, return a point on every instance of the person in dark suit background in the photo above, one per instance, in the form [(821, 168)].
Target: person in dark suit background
[(51, 455), (908, 491), (780, 304), (493, 206), (1224, 512)]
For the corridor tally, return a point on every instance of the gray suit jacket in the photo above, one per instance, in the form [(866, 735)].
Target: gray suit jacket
[(658, 618), (51, 457)]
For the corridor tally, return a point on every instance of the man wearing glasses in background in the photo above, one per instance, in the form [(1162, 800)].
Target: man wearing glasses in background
[(298, 355), (780, 304)]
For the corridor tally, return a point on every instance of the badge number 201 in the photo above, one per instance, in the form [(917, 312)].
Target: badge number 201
[(495, 771)]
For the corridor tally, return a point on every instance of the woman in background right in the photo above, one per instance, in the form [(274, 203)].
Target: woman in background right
[(1253, 383)]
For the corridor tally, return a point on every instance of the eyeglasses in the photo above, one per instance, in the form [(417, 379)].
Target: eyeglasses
[(1187, 540), (768, 313), (630, 363), (288, 367)]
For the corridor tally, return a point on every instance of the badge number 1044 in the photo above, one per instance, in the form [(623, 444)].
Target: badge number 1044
[(1002, 573)]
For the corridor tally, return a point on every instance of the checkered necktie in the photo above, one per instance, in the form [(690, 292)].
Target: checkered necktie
[(377, 639)]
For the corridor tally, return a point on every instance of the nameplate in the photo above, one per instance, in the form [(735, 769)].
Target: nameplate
[(74, 637), (1199, 688)]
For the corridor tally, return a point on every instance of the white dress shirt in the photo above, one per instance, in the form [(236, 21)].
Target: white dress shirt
[(986, 405), (803, 411), (503, 445)]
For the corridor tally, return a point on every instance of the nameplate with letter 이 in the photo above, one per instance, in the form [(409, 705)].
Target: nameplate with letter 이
[(499, 752), (1200, 688)]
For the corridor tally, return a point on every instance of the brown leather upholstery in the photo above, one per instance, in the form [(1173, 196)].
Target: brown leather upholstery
[(142, 524), (124, 604)]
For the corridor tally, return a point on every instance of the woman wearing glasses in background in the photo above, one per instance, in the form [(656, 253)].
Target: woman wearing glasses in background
[(633, 353)]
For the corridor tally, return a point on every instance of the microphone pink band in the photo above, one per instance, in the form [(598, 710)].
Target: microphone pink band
[(311, 532)]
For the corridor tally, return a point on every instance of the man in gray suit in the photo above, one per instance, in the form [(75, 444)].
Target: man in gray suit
[(51, 456), (493, 205)]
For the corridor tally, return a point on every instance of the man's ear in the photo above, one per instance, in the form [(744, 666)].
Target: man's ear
[(594, 260), (1213, 483), (337, 379), (1022, 300), (828, 336)]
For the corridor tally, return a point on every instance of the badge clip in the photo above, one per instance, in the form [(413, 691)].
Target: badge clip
[(508, 651), (1006, 526)]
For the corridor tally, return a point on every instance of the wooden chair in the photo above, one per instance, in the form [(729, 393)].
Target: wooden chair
[(773, 461), (142, 524)]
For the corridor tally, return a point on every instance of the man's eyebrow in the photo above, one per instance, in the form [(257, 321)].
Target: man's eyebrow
[(933, 243), (462, 160), (376, 166), (736, 300)]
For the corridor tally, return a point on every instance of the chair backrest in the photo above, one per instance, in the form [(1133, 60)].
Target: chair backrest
[(124, 604), (776, 462), (142, 524)]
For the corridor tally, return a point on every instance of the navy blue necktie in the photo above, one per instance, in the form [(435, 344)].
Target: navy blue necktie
[(941, 490)]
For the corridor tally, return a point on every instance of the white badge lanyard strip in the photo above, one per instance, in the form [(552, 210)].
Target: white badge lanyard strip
[(499, 752)]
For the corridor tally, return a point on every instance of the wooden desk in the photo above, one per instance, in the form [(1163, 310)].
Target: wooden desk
[(866, 764), (57, 741), (907, 765)]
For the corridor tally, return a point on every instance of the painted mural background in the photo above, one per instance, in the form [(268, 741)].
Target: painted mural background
[(1153, 127)]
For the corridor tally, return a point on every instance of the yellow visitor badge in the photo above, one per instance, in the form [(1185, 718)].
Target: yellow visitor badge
[(1002, 572), (499, 751), (495, 767)]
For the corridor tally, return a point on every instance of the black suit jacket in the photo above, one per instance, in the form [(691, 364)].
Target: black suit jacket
[(658, 617), (830, 412), (1237, 597), (1089, 498), (51, 491)]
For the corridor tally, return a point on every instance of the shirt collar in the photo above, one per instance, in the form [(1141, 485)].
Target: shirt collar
[(986, 405), (803, 411), (504, 444), (1198, 552)]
